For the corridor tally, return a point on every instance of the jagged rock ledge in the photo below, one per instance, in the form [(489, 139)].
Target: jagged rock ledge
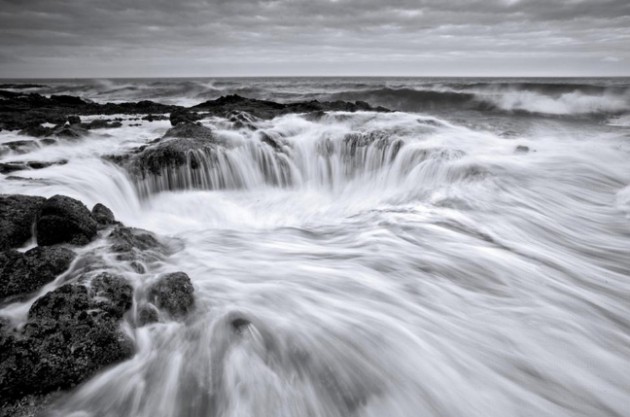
[(74, 330), (28, 112)]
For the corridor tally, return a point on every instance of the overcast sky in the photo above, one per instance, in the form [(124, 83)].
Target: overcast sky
[(142, 38)]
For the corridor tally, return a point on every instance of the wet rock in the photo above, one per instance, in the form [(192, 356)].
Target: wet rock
[(36, 130), (274, 143), (27, 272), (127, 239), (147, 314), (190, 131), (69, 131), (102, 124), (136, 246), (103, 215), (242, 120), (138, 267), (45, 164), (154, 117), (179, 146), (65, 220), (30, 406), (264, 109), (173, 293), (182, 116), (67, 338), (232, 103), (74, 120), (174, 152), (17, 216), (27, 112), (239, 324), (21, 146), (63, 304), (8, 167), (48, 141), (522, 149), (111, 293)]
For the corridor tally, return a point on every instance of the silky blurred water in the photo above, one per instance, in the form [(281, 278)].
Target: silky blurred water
[(434, 270)]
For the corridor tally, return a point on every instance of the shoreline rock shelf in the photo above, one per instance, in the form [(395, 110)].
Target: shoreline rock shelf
[(28, 113), (74, 331)]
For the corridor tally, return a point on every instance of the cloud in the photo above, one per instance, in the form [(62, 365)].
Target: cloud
[(224, 37)]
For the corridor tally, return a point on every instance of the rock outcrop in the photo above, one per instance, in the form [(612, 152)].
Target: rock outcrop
[(27, 112), (183, 116), (103, 216), (8, 167), (23, 273), (71, 333), (268, 109), (173, 151), (65, 220), (173, 293), (17, 217)]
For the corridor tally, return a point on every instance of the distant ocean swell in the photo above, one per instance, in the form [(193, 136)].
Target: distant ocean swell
[(575, 101), (557, 99)]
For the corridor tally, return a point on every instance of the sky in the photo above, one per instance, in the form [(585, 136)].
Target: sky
[(186, 38)]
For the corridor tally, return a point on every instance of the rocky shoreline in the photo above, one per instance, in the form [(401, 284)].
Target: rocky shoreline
[(44, 121), (55, 253), (28, 113), (78, 304)]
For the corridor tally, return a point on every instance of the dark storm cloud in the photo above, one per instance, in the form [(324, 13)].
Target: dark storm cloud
[(266, 37)]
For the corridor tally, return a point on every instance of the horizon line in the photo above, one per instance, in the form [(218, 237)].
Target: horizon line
[(312, 76)]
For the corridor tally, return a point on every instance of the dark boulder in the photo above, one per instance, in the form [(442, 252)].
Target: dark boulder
[(522, 149), (135, 246), (74, 120), (63, 304), (27, 272), (181, 116), (173, 293), (65, 220), (147, 314), (17, 216), (67, 338), (111, 293), (126, 239), (66, 100), (103, 215)]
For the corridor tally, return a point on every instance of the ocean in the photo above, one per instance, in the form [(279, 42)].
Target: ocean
[(466, 254)]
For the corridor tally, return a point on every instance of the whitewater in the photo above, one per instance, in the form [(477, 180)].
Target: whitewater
[(464, 255)]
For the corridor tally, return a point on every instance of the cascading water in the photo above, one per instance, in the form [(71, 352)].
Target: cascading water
[(368, 264)]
